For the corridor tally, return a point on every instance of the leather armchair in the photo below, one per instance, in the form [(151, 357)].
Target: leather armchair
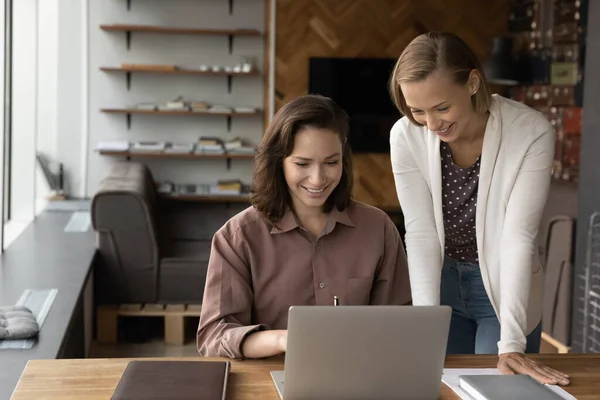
[(151, 249)]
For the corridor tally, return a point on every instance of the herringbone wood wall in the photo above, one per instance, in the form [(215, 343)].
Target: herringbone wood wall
[(371, 28)]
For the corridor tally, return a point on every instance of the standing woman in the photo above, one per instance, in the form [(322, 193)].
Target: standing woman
[(472, 173)]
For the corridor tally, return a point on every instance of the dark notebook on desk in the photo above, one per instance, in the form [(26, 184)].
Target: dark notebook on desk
[(506, 387), (173, 380)]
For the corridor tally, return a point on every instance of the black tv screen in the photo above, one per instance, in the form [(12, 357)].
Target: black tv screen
[(360, 87)]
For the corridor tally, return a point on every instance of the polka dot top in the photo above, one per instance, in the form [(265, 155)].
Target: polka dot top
[(459, 200)]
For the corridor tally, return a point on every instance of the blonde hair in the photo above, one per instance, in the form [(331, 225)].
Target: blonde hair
[(438, 51)]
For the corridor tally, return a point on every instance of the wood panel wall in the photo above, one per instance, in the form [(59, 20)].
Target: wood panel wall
[(371, 28)]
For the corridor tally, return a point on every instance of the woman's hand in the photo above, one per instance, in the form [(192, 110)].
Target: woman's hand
[(265, 343), (517, 363)]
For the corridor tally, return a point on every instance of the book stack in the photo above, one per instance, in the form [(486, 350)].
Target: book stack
[(199, 106), (191, 189), (147, 147), (227, 188), (117, 145), (177, 104), (219, 109), (244, 109), (166, 187), (209, 145), (179, 148), (239, 146)]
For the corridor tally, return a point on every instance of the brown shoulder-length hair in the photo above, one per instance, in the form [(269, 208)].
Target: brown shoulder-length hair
[(438, 51), (269, 191)]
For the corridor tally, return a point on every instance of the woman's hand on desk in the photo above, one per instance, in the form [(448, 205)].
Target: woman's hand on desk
[(265, 344), (517, 363)]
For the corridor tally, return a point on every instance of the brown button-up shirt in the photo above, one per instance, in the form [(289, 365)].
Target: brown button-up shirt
[(257, 271)]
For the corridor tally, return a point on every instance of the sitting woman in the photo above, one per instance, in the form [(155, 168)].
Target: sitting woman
[(302, 242)]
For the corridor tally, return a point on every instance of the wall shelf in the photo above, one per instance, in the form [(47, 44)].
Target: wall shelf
[(129, 155), (131, 111), (179, 71), (178, 30), (177, 113), (128, 29)]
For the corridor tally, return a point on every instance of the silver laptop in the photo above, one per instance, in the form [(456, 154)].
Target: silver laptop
[(364, 352)]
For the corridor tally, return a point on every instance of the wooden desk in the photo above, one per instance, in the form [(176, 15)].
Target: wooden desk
[(95, 379)]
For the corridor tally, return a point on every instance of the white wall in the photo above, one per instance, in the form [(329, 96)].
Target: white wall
[(71, 105), (109, 49)]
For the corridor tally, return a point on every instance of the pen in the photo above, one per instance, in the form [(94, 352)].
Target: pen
[(336, 301)]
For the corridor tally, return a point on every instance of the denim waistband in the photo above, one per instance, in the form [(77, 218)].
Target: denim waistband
[(460, 265)]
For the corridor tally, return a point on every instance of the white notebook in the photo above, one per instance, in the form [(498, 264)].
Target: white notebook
[(451, 378)]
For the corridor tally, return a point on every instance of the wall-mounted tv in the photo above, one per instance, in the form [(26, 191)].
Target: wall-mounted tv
[(360, 87)]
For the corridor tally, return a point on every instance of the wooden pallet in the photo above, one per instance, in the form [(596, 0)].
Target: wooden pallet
[(551, 345), (174, 314)]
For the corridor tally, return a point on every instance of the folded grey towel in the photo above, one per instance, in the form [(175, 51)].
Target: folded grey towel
[(17, 322)]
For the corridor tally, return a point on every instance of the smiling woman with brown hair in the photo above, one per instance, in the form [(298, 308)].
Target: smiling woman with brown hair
[(302, 242)]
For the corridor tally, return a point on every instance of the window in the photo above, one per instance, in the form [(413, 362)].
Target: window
[(20, 72)]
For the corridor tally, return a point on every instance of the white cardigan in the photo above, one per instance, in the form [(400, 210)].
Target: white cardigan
[(514, 179)]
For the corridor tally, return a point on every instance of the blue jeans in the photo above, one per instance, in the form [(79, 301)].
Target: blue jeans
[(474, 327)]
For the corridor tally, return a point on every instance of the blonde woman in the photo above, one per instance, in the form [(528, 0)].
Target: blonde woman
[(472, 172)]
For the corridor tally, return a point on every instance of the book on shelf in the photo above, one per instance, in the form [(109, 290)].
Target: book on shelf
[(219, 109), (191, 189), (239, 145), (199, 106), (242, 150), (234, 143), (166, 187), (172, 108), (179, 148), (147, 147), (210, 145), (233, 185), (177, 103), (116, 145), (244, 109), (219, 188), (210, 141)]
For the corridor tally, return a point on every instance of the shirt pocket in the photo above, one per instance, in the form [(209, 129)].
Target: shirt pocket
[(358, 291)]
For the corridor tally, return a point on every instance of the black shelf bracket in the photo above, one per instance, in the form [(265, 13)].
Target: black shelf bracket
[(128, 5), (229, 78), (128, 80), (228, 123), (128, 122), (230, 37), (128, 39), (230, 7), (228, 164)]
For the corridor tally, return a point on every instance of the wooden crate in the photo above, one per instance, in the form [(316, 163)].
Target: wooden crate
[(174, 314), (551, 345)]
